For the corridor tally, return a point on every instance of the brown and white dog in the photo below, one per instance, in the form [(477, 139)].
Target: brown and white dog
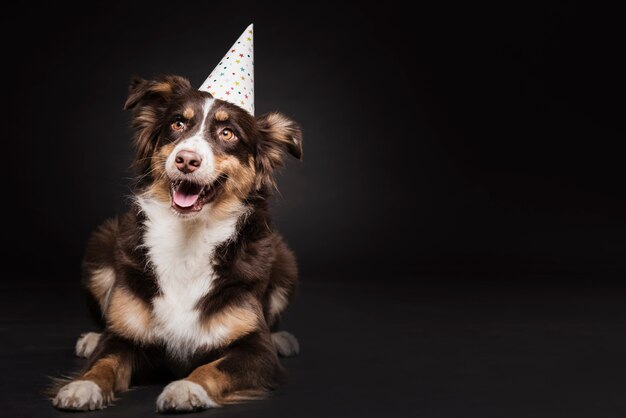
[(192, 279)]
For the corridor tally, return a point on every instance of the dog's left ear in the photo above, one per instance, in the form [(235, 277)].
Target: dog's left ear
[(279, 134)]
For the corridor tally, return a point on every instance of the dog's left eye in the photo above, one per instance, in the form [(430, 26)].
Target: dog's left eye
[(227, 134), (178, 126)]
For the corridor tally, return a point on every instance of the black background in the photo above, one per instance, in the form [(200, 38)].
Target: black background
[(453, 153), (468, 136)]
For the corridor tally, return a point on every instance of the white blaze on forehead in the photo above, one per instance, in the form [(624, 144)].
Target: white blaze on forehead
[(206, 108), (197, 143)]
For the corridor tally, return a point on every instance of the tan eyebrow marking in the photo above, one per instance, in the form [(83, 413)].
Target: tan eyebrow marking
[(188, 113), (221, 115)]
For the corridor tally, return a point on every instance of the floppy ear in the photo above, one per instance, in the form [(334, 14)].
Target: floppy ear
[(148, 100), (279, 134), (161, 88)]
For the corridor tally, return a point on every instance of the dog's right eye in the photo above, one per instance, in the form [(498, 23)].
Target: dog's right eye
[(178, 126)]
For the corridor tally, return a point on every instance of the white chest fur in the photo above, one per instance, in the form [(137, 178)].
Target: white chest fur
[(181, 253)]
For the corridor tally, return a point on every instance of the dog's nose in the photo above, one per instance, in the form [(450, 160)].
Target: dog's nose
[(188, 161)]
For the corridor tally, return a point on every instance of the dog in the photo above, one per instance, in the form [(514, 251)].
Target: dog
[(192, 279)]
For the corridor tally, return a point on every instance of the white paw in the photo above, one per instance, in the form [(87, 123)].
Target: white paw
[(86, 343), (81, 395), (286, 344), (183, 395)]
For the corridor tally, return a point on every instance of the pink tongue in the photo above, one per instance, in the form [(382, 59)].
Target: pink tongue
[(185, 200)]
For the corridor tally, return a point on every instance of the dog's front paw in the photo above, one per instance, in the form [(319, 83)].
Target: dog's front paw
[(86, 343), (81, 395), (183, 396)]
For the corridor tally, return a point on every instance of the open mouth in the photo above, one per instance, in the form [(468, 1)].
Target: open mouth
[(189, 197)]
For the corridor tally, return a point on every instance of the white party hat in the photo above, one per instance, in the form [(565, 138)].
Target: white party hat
[(233, 78)]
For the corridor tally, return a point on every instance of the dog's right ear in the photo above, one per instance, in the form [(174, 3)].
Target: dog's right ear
[(148, 100), (160, 89)]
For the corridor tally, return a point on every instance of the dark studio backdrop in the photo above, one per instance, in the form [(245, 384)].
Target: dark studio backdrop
[(463, 141), (462, 136)]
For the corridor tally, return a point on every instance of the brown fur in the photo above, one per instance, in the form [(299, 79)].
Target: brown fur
[(101, 282), (212, 380), (286, 136), (241, 175), (240, 320), (128, 316), (110, 373), (160, 187)]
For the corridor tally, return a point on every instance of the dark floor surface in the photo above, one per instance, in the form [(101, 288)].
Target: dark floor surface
[(428, 347)]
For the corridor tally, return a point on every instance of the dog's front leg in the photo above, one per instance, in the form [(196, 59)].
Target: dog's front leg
[(248, 369), (109, 371)]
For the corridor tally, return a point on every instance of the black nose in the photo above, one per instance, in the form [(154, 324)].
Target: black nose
[(188, 161)]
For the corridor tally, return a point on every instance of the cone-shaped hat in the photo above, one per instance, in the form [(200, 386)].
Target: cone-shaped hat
[(233, 78)]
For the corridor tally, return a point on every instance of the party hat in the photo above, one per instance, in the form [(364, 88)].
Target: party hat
[(233, 78)]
